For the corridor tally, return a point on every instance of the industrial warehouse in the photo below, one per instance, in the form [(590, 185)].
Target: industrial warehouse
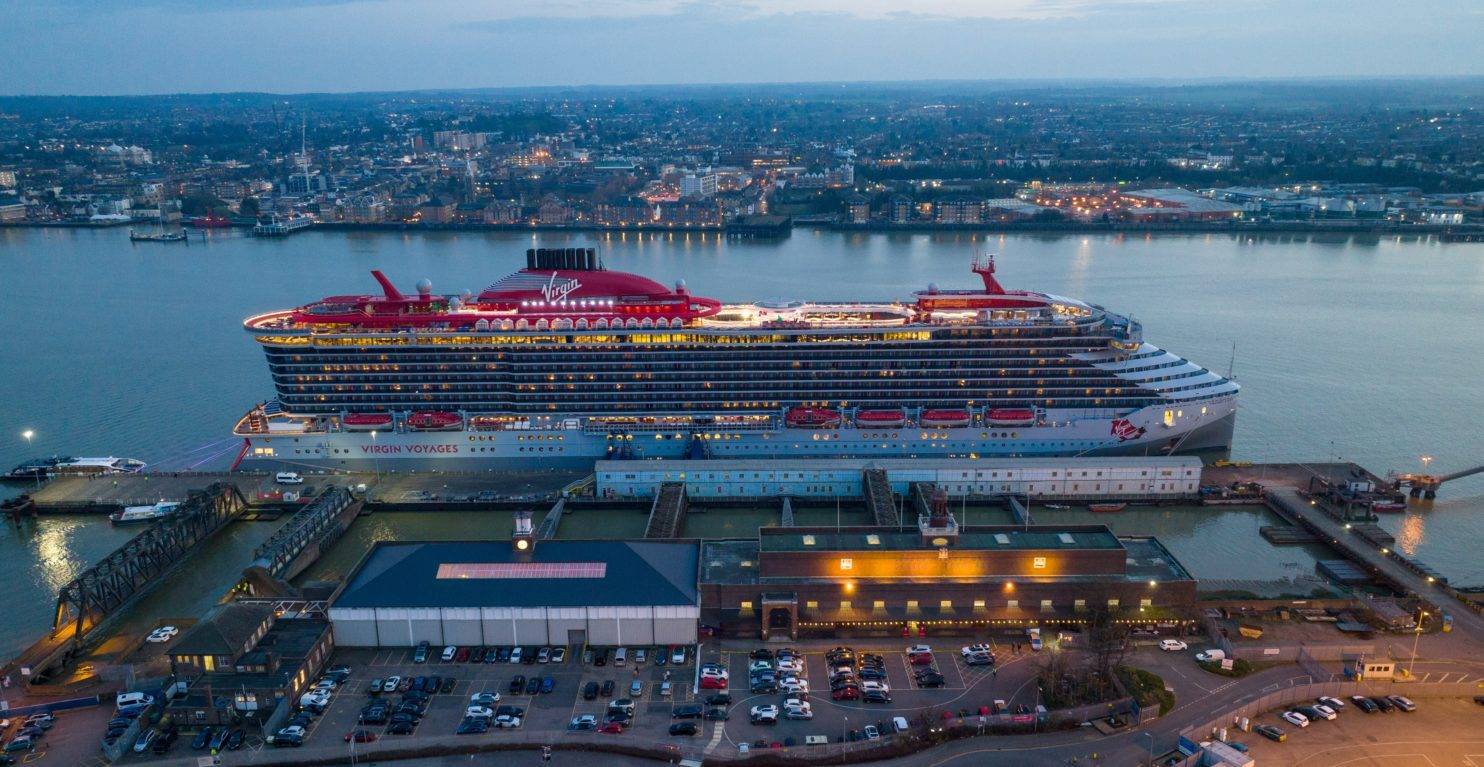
[(558, 592)]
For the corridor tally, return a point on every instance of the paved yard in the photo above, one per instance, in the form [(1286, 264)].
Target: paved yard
[(1440, 732)]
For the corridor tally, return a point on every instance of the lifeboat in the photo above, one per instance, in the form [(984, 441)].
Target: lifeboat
[(1010, 416), (811, 418), (890, 418), (366, 421), (945, 419), (434, 420)]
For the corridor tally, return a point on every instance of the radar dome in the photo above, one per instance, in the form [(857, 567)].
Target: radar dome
[(680, 286), (932, 287), (424, 287)]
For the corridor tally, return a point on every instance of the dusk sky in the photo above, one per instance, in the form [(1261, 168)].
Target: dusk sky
[(155, 46)]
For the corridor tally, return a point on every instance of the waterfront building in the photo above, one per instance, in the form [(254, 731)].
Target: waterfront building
[(901, 209), (250, 658), (525, 592), (858, 209), (933, 577), (1092, 477), (700, 185)]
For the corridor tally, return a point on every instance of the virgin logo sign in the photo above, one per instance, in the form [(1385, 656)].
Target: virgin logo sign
[(553, 291), (1124, 430)]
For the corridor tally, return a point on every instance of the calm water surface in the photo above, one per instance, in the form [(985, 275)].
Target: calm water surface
[(1363, 348)]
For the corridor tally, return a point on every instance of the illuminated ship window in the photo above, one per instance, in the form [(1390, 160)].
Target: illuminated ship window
[(521, 570)]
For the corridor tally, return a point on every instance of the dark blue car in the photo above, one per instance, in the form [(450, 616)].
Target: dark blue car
[(548, 684)]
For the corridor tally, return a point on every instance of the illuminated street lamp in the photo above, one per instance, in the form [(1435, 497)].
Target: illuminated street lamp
[(27, 435), (1416, 635), (375, 457)]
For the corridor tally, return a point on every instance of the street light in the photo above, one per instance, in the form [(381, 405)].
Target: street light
[(1426, 459), (27, 435), (1150, 736), (1416, 635), (375, 457)]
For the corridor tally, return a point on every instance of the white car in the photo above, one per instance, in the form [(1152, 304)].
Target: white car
[(1210, 656), (872, 732), (713, 668), (794, 684), (162, 634), (1325, 711), (677, 658), (478, 712), (920, 649), (1296, 719), (975, 649), (314, 698), (327, 685), (875, 684), (767, 713), (507, 721), (391, 683), (1335, 704), (484, 698), (801, 711), (449, 652), (1172, 645), (759, 665)]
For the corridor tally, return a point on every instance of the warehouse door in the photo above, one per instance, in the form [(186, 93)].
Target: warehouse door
[(577, 639)]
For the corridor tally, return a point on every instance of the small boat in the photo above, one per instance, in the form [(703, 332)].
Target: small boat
[(83, 466), (366, 421), (435, 420), (945, 418), (1388, 506), (1106, 507), (177, 236), (811, 418), (1058, 506), (210, 221), (134, 514), (891, 418), (1010, 416)]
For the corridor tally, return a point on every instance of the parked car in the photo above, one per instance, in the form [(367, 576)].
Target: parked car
[(1173, 645), (636, 688), (590, 691), (583, 722), (716, 714), (507, 721), (293, 735), (685, 728), (202, 739), (558, 655), (543, 655), (719, 699), (360, 736), (449, 653), (1383, 703), (677, 656), (1402, 702), (1333, 703), (1296, 719), (765, 714), (1364, 704), (517, 684), (607, 689), (875, 696), (162, 634), (548, 684), (1270, 732), (420, 654), (533, 685), (235, 738)]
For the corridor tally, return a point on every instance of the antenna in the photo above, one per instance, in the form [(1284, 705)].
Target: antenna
[(1232, 363), (304, 150)]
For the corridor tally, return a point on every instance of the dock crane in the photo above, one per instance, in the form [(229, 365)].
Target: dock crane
[(1426, 485)]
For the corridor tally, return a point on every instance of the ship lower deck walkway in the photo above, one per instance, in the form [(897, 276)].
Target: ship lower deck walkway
[(667, 514)]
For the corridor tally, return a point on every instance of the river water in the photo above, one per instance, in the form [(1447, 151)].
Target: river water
[(1366, 348)]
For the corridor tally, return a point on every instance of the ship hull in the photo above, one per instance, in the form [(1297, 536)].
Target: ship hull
[(1151, 431)]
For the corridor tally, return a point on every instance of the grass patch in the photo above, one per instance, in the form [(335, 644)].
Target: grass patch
[(1147, 687), (1239, 669)]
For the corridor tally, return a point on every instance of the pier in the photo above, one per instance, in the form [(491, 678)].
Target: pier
[(99, 594), (299, 542), (879, 498)]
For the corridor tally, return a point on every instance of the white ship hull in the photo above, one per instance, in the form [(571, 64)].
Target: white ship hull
[(1205, 426)]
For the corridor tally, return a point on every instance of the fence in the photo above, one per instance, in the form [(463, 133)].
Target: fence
[(1307, 693)]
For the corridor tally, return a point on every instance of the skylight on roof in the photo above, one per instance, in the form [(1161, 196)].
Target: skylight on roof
[(1002, 539), (520, 570), (1066, 538)]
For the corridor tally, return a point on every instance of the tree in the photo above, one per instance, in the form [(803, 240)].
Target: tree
[(199, 204), (248, 206), (1107, 643)]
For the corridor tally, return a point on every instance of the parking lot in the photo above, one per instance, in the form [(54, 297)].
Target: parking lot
[(72, 738), (547, 713), (966, 691), (1442, 731)]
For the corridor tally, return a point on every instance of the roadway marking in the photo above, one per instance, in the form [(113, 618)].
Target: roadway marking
[(717, 733)]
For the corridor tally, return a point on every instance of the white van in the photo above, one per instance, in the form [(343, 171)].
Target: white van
[(132, 699), (620, 656), (900, 724), (288, 478)]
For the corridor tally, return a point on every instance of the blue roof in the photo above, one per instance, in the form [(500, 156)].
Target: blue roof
[(634, 573)]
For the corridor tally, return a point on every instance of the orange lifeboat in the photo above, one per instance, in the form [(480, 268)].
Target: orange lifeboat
[(945, 418), (890, 418), (434, 420), (811, 418), (1010, 416), (366, 421)]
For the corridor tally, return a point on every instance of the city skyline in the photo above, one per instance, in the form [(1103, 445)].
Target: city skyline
[(172, 46)]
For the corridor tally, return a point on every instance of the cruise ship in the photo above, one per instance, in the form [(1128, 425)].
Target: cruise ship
[(566, 362)]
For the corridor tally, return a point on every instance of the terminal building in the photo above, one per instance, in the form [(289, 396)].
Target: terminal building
[(1089, 478), (830, 581), (606, 593)]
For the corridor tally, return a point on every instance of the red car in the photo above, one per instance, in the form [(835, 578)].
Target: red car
[(462, 656), (713, 683), (846, 693), (921, 659), (360, 736), (612, 728)]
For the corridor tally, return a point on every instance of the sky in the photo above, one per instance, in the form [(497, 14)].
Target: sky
[(119, 47)]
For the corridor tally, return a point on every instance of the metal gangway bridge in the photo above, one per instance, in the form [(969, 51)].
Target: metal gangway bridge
[(1426, 485)]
